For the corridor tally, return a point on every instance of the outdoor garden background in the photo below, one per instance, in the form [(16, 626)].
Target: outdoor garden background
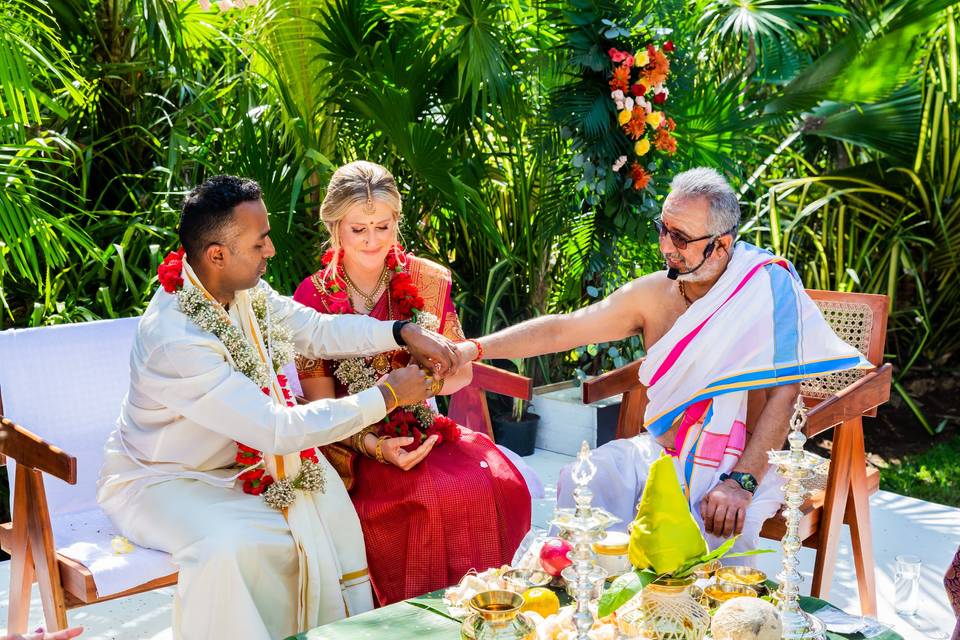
[(837, 121)]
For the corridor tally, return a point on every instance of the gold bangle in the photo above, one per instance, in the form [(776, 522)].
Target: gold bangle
[(437, 386), (396, 400), (359, 437), (379, 451), (355, 442)]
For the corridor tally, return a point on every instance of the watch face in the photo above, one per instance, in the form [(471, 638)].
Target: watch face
[(747, 481)]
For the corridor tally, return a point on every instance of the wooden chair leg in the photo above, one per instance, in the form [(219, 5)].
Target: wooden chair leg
[(44, 554), (834, 507), (861, 533), (21, 562)]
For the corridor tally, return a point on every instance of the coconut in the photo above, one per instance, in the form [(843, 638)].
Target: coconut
[(746, 619)]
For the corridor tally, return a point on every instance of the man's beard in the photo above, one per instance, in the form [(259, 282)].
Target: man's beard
[(700, 275), (705, 270)]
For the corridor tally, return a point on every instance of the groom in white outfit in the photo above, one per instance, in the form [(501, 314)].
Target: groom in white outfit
[(171, 480)]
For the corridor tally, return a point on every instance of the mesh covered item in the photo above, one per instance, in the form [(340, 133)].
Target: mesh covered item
[(852, 322), (665, 611)]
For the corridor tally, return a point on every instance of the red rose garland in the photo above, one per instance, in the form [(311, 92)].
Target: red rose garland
[(408, 304), (403, 293), (255, 481)]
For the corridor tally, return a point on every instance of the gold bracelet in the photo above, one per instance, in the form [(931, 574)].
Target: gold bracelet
[(359, 437), (379, 451), (437, 386), (396, 400)]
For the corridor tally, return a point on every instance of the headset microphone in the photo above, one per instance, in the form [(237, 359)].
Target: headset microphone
[(673, 272)]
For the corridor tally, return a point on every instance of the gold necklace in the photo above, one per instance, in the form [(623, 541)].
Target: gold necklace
[(683, 292), (369, 298)]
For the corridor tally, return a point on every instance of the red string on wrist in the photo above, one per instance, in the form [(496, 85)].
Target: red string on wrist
[(479, 348)]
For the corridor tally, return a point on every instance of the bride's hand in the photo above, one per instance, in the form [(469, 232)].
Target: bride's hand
[(394, 452)]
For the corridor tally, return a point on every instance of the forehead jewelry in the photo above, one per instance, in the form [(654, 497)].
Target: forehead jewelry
[(368, 206)]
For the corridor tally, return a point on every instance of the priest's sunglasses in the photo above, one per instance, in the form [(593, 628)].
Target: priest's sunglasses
[(678, 240)]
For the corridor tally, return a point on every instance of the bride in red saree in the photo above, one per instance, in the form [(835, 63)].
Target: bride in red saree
[(434, 499)]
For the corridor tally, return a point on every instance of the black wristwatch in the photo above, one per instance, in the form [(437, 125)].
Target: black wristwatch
[(745, 480), (397, 328)]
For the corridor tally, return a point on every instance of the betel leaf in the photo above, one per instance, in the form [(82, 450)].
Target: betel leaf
[(623, 589), (716, 554), (689, 566)]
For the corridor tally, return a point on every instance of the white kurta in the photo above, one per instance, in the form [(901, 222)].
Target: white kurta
[(168, 475)]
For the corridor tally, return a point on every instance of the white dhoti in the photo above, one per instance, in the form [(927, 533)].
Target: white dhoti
[(622, 468), (238, 561)]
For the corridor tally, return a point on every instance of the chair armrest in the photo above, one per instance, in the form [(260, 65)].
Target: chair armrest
[(613, 382), (505, 383), (30, 450), (868, 392)]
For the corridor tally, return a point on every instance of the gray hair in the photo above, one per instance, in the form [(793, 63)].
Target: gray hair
[(704, 182)]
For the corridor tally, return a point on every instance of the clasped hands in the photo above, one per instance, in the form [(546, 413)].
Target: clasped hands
[(437, 358)]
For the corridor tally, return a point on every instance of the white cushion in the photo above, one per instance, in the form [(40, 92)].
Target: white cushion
[(65, 384)]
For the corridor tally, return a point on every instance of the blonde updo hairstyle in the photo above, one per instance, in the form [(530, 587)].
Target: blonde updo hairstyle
[(359, 182)]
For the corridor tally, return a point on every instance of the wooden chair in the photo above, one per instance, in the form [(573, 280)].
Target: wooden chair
[(29, 539), (838, 400), (468, 406), (64, 583), (99, 360)]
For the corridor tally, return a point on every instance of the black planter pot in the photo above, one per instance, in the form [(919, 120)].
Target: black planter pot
[(519, 437)]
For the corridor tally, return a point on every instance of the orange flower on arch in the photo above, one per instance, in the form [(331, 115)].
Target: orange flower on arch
[(637, 124), (663, 141), (656, 71), (621, 79), (640, 176)]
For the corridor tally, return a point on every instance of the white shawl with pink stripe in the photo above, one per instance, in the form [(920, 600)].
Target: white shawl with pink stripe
[(755, 328)]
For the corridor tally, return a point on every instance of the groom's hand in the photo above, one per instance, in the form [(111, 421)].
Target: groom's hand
[(431, 350), (411, 384)]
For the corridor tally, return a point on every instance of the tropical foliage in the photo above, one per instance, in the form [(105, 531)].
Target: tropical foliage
[(837, 120)]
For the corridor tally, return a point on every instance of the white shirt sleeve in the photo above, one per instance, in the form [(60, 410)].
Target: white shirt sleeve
[(197, 382), (319, 335)]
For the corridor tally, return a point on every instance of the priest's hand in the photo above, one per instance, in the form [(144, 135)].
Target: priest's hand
[(468, 351), (431, 350), (411, 384), (393, 451), (724, 509)]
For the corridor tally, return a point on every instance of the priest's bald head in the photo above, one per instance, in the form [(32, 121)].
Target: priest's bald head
[(224, 229)]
